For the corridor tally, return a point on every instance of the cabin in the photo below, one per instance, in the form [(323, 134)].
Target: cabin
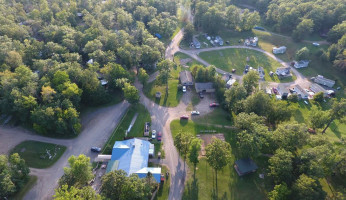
[(205, 87), (245, 166)]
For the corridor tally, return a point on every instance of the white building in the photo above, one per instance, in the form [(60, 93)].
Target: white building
[(252, 41), (302, 94), (278, 50), (324, 81)]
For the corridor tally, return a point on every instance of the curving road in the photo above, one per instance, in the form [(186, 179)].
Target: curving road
[(97, 127)]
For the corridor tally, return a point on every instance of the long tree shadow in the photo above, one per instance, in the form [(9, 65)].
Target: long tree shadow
[(191, 190)]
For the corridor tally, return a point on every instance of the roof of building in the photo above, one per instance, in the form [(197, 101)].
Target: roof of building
[(155, 171), (204, 86), (317, 88), (246, 165), (324, 81), (300, 90), (185, 76), (231, 81), (283, 71), (132, 154)]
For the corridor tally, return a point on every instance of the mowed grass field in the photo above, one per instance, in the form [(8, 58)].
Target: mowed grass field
[(230, 185), (35, 153), (229, 59)]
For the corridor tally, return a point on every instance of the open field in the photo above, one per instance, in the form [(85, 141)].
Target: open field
[(229, 59), (178, 56), (217, 116), (35, 153), (230, 185)]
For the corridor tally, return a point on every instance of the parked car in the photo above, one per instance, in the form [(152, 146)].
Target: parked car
[(201, 95), (306, 102), (214, 104), (184, 117), (162, 178), (96, 149), (159, 136), (316, 44), (195, 112), (184, 88), (153, 134), (234, 70)]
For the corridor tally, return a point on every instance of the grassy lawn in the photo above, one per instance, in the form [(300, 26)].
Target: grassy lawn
[(163, 192), (217, 116), (230, 185), (301, 115), (136, 131), (229, 59), (34, 153), (28, 185), (178, 56), (171, 99)]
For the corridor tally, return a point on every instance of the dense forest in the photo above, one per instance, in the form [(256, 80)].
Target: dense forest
[(53, 55)]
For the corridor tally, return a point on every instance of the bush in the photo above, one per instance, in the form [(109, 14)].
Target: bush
[(293, 98), (303, 54)]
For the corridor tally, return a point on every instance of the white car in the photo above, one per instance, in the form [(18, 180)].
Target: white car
[(184, 88), (316, 44), (153, 134), (306, 102), (194, 112)]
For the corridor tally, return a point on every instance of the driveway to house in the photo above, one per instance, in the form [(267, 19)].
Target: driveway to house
[(98, 125)]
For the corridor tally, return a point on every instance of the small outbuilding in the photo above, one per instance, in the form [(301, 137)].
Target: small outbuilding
[(283, 92), (245, 166), (185, 78), (283, 72), (279, 50), (261, 72), (204, 87), (196, 43)]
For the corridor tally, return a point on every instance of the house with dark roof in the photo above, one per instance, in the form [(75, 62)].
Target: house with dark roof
[(324, 81), (301, 64), (132, 156), (283, 72), (204, 87), (245, 166), (185, 78)]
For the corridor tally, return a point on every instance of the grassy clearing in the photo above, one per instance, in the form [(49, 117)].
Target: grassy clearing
[(230, 185), (170, 99), (178, 56), (229, 59), (29, 184), (217, 116), (35, 153), (136, 131), (301, 114)]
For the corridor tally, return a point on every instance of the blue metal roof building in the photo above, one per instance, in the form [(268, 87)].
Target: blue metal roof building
[(132, 156)]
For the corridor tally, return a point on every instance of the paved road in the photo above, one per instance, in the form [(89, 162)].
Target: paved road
[(161, 118), (97, 127)]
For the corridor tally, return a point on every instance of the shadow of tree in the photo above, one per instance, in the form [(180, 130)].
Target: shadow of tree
[(192, 190)]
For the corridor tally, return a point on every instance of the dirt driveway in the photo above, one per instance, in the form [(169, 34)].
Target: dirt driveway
[(203, 106)]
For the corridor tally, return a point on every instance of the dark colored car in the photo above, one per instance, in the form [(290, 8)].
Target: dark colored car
[(234, 70), (159, 136), (214, 104), (201, 95), (96, 149), (259, 28), (184, 117)]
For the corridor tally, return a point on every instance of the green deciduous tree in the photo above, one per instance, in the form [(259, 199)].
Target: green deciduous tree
[(188, 32), (280, 192), (116, 185), (318, 118), (318, 97), (303, 54), (337, 112), (218, 155), (72, 193), (234, 95), (131, 93), (250, 81), (143, 76), (280, 166), (306, 188), (291, 136), (79, 172), (304, 28), (194, 149)]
